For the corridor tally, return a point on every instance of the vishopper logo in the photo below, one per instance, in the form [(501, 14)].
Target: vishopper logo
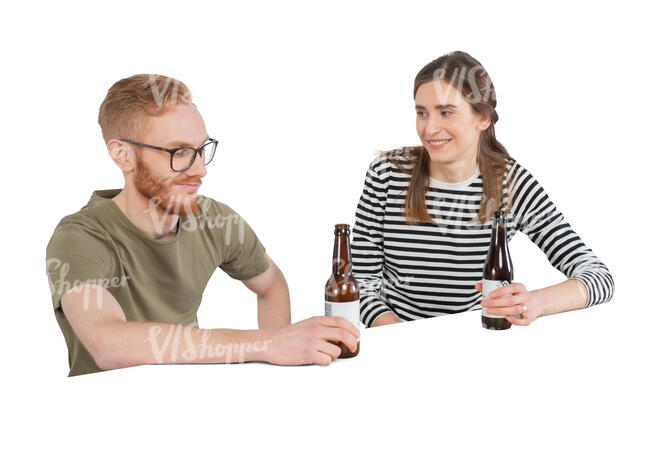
[(403, 153), (459, 215), (62, 285), (481, 89), (159, 92), (172, 343), (377, 284), (229, 222)]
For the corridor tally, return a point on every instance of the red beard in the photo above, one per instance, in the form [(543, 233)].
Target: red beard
[(158, 192)]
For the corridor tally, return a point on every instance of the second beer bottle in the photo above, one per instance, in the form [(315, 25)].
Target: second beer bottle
[(497, 271), (341, 289)]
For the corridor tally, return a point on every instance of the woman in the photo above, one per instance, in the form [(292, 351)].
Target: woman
[(423, 222)]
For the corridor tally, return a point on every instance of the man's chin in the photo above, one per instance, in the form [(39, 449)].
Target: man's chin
[(183, 205)]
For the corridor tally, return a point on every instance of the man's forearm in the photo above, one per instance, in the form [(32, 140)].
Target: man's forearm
[(569, 295), (274, 307), (126, 344)]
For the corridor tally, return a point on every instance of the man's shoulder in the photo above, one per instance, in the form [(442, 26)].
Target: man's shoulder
[(81, 224), (76, 237)]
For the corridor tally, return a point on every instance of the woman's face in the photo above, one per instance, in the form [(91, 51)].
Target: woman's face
[(447, 125)]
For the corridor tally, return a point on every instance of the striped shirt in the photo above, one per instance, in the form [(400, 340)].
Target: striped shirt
[(424, 270)]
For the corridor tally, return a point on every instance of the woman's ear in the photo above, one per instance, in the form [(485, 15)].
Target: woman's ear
[(483, 122)]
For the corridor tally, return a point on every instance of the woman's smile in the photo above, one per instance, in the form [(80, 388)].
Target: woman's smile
[(437, 144)]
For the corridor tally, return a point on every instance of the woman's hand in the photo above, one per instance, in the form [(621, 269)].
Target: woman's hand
[(500, 303)]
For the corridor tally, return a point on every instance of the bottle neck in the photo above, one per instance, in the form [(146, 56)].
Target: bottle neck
[(341, 258), (499, 232)]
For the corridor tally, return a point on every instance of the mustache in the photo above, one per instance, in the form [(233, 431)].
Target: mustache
[(190, 181)]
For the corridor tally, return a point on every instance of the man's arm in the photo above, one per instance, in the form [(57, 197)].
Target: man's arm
[(98, 320), (273, 305)]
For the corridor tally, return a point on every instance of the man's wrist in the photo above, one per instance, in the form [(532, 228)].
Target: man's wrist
[(261, 342)]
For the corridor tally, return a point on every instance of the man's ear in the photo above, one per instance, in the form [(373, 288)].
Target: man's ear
[(122, 155)]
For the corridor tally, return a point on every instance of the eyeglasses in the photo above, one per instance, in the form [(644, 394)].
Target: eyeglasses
[(181, 159)]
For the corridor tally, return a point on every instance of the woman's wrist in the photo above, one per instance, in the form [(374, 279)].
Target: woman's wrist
[(385, 319)]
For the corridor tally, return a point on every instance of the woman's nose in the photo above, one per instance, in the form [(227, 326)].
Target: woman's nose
[(432, 128)]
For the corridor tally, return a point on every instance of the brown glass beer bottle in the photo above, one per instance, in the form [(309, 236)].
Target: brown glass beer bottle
[(497, 271), (341, 289)]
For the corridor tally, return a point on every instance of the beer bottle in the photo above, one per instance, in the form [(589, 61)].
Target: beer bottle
[(497, 272), (341, 289)]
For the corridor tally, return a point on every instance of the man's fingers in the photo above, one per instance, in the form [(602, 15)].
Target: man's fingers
[(338, 334), (340, 322), (321, 358), (328, 348)]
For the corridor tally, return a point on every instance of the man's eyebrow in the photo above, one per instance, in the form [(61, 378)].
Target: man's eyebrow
[(180, 144), (439, 106)]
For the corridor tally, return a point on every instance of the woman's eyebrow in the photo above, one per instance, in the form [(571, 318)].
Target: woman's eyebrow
[(438, 107)]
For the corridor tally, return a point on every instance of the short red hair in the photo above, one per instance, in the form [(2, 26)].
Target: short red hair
[(129, 102)]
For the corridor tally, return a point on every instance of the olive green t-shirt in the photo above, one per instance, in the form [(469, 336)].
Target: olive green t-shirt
[(152, 280)]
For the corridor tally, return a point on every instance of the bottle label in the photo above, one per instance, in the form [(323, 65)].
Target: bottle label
[(347, 310), (487, 287)]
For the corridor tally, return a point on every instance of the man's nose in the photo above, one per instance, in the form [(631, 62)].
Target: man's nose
[(197, 169)]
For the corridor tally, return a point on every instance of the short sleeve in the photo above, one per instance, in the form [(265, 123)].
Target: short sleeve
[(76, 255), (243, 253)]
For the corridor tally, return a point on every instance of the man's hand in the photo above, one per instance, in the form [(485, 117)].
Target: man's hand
[(306, 341)]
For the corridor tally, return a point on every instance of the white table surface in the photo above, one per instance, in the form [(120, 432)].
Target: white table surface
[(446, 383)]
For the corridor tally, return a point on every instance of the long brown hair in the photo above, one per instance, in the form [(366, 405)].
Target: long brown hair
[(461, 70)]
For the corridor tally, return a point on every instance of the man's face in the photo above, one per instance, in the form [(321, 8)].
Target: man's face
[(181, 125)]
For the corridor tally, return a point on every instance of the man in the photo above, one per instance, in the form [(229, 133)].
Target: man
[(128, 270)]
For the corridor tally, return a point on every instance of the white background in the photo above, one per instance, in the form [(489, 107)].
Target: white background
[(301, 97)]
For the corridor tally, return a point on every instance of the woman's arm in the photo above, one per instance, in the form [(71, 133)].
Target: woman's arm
[(385, 318), (565, 296), (509, 301), (535, 215), (367, 244)]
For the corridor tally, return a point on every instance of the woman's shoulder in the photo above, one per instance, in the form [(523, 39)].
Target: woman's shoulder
[(517, 172), (397, 160)]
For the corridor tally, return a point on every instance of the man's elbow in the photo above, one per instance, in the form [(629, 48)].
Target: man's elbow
[(107, 355)]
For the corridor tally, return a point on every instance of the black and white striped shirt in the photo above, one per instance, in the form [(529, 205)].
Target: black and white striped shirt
[(424, 270)]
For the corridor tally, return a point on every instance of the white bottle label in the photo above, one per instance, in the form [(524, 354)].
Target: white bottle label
[(347, 310), (487, 287)]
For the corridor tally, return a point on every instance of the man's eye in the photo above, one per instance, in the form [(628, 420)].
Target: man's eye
[(445, 111), (419, 113)]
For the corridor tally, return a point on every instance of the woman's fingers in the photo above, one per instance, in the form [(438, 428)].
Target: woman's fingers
[(505, 311), (518, 322), (506, 301)]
